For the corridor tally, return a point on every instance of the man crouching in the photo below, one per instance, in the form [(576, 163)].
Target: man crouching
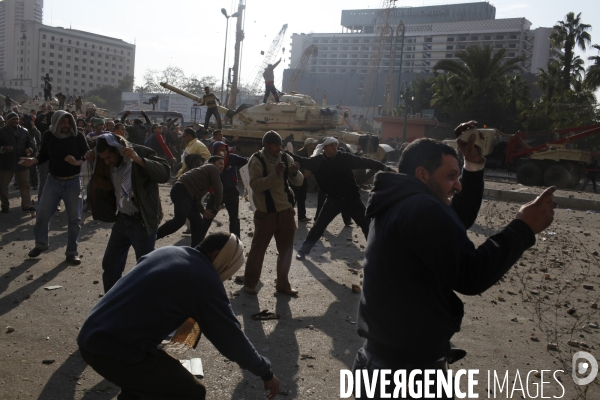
[(119, 339)]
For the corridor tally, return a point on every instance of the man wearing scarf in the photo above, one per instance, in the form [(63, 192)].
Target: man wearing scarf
[(15, 143), (124, 189), (64, 148), (333, 171), (120, 337)]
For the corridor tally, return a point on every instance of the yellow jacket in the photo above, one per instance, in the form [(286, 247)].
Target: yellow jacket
[(193, 147)]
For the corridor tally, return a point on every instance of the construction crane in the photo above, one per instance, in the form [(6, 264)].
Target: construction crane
[(268, 59), (299, 68), (384, 32)]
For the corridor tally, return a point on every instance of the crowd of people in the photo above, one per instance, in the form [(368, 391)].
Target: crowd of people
[(120, 164)]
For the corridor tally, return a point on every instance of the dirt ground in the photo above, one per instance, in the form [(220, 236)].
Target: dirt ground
[(541, 300)]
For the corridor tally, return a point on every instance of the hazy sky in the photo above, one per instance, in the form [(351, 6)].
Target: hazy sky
[(190, 34)]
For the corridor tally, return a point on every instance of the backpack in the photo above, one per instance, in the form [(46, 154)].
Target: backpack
[(268, 197)]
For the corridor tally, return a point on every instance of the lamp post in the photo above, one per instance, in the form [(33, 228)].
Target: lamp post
[(407, 86), (224, 12), (401, 30)]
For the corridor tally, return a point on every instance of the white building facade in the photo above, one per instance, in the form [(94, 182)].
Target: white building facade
[(76, 61)]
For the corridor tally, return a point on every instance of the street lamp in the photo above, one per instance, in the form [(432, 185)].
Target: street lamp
[(224, 12), (407, 86), (401, 30)]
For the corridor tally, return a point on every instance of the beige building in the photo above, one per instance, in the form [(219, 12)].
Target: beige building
[(76, 61)]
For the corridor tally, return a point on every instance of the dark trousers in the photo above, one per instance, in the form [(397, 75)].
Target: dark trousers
[(185, 208), (270, 88), (231, 199), (331, 208), (33, 176), (300, 195), (366, 361), (128, 231), (321, 199), (47, 95), (158, 377), (212, 111)]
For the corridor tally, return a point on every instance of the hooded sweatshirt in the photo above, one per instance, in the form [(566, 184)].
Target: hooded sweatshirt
[(57, 145), (417, 256), (232, 163)]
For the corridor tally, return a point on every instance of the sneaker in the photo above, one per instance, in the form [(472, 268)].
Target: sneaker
[(34, 252), (300, 256), (305, 219), (186, 232), (74, 260)]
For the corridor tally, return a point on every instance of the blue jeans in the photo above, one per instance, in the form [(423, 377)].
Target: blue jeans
[(71, 194), (126, 232)]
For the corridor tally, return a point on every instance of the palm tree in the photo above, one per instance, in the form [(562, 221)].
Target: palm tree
[(567, 34), (592, 77), (481, 69), (548, 80)]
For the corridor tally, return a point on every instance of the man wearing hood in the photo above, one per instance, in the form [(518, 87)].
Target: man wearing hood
[(231, 195), (124, 190), (333, 171), (64, 147), (166, 289), (418, 255), (15, 142), (137, 132)]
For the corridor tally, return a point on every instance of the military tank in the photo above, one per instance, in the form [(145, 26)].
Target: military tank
[(296, 117), (28, 105)]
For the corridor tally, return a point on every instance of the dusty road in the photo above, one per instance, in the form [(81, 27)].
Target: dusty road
[(541, 300)]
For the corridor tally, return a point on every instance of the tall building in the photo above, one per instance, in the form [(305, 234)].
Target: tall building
[(432, 33), (76, 61), (12, 13)]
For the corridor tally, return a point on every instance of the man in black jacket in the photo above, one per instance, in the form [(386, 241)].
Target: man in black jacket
[(15, 143), (126, 185), (137, 132), (333, 171), (418, 254)]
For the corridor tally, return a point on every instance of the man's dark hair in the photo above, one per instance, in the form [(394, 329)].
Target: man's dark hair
[(193, 159), (190, 131), (118, 125), (206, 87), (102, 145), (426, 153), (213, 242), (214, 159)]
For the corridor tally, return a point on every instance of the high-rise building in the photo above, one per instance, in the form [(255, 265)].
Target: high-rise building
[(431, 34), (12, 13), (76, 61)]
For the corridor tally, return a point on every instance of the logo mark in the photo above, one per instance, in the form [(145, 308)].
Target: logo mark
[(582, 367)]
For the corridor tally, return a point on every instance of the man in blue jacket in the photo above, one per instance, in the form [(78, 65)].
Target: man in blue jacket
[(119, 338), (418, 255)]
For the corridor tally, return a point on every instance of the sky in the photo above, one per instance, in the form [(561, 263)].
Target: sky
[(190, 34)]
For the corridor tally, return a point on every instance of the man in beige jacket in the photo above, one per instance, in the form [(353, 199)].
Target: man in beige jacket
[(271, 173)]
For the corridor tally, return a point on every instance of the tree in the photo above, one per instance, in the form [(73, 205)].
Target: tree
[(592, 76), (176, 77), (110, 96), (567, 34)]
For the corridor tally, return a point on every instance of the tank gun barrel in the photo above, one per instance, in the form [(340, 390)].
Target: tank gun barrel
[(182, 92)]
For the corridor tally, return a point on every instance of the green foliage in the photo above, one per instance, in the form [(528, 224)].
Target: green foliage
[(592, 77), (15, 94), (109, 97)]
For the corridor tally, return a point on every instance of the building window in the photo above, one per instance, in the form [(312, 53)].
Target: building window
[(99, 62), (92, 54), (85, 45), (43, 36), (43, 44), (106, 64), (43, 69), (474, 37), (51, 71), (52, 38), (449, 47), (428, 40), (76, 51), (120, 74), (75, 74), (85, 53), (91, 84), (462, 38), (500, 37), (67, 81), (76, 58), (487, 37), (52, 46), (67, 73), (59, 80), (106, 71), (107, 57), (449, 55), (59, 71), (61, 40), (83, 76), (100, 47), (68, 49), (60, 48), (112, 73), (93, 46), (511, 54), (450, 39), (60, 56)]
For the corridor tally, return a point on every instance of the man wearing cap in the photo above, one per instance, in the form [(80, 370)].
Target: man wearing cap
[(15, 142), (64, 147), (300, 191), (271, 173), (333, 171), (169, 286), (124, 190), (98, 124), (270, 82), (210, 101)]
